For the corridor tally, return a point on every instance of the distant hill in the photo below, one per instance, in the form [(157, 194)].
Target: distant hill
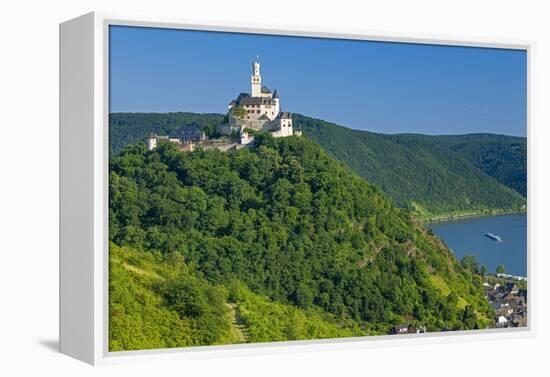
[(430, 175), (502, 157)]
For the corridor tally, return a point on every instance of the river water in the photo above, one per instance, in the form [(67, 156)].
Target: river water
[(467, 237)]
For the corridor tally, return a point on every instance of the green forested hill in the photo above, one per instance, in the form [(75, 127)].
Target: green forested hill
[(502, 157), (297, 244), (431, 175)]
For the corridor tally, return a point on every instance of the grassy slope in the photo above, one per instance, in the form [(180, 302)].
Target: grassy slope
[(141, 319)]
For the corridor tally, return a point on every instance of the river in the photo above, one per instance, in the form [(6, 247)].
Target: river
[(467, 237)]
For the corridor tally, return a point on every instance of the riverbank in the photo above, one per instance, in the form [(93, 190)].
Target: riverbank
[(466, 214)]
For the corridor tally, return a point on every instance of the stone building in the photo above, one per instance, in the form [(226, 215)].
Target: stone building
[(259, 110), (186, 137)]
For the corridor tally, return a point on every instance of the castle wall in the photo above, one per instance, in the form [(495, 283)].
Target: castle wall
[(277, 107), (285, 127), (235, 125), (228, 129), (255, 112), (256, 89), (255, 124), (246, 138), (269, 111)]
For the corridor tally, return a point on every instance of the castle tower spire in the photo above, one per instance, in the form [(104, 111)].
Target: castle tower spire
[(256, 80)]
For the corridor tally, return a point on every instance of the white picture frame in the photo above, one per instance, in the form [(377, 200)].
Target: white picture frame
[(84, 99)]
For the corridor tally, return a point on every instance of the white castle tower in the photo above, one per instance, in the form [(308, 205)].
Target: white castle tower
[(151, 142), (259, 110), (256, 80)]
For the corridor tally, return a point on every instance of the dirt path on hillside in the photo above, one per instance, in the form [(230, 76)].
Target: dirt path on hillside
[(239, 329)]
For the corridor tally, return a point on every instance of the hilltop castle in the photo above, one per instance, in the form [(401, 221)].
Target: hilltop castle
[(259, 110)]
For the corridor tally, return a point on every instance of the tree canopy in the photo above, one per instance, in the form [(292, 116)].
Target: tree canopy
[(295, 228), (430, 175)]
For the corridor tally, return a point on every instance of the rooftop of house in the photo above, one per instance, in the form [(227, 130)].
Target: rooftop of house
[(511, 287), (186, 131), (244, 99)]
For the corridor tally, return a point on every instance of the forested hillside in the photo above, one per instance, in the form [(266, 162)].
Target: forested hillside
[(281, 234), (502, 157), (156, 300), (431, 175)]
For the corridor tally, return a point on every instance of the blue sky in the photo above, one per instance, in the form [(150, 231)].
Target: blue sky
[(374, 86)]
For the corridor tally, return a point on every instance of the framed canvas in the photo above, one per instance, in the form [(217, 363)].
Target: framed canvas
[(233, 189)]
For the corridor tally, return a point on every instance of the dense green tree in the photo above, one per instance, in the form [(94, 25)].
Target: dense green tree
[(502, 157), (470, 262), (294, 226), (483, 271), (138, 319), (239, 112), (194, 298)]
